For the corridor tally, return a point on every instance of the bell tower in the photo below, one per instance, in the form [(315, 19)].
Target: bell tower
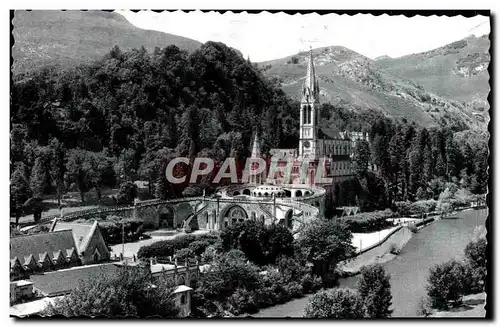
[(309, 114)]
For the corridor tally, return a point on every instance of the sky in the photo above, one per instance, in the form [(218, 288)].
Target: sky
[(267, 36)]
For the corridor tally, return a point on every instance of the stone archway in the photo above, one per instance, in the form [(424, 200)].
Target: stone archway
[(166, 217), (234, 214), (246, 191), (298, 193)]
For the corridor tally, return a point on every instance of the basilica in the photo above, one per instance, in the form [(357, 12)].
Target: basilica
[(327, 151)]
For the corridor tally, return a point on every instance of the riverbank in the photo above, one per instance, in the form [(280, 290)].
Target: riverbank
[(381, 252)]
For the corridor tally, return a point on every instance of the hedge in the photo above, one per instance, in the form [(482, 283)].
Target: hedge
[(368, 222), (162, 249)]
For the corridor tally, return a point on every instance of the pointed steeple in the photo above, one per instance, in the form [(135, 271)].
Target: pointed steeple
[(256, 146), (311, 87)]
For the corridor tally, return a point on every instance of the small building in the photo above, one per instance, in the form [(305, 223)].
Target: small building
[(183, 300), (21, 290)]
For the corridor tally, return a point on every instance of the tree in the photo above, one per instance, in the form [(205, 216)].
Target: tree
[(248, 237), (260, 243), (362, 157), (57, 167), (99, 171), (374, 288), (325, 243), (19, 190), (475, 254), (127, 193), (337, 303), (40, 177), (446, 284), (76, 170), (130, 292)]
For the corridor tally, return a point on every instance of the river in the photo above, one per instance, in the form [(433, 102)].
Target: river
[(436, 243)]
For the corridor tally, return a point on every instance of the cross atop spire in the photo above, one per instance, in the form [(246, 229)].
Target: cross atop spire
[(311, 88)]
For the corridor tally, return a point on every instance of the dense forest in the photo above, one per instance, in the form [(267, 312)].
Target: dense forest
[(124, 117)]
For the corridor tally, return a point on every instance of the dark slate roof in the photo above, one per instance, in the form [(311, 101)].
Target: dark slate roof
[(24, 246), (63, 281)]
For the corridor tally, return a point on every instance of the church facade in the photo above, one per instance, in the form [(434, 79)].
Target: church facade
[(328, 151)]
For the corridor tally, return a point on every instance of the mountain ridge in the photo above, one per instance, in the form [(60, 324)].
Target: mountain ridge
[(352, 80), (69, 38)]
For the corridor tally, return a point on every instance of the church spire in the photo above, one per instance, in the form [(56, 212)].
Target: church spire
[(311, 88), (256, 147)]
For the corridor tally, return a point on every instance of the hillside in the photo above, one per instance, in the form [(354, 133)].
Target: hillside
[(351, 80), (457, 71), (69, 38)]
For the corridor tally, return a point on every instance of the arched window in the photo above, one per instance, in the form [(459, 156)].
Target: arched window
[(96, 256)]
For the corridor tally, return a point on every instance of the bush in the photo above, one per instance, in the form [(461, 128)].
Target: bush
[(446, 284), (184, 254), (166, 248), (369, 222), (336, 303), (160, 249), (407, 208), (198, 247)]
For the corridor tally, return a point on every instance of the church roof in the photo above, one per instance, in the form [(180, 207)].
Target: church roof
[(25, 246), (81, 231)]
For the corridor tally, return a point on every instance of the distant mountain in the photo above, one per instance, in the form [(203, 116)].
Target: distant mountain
[(356, 82), (68, 38), (382, 57), (457, 71)]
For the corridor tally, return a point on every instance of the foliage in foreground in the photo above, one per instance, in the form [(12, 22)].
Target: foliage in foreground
[(340, 303), (450, 281), (374, 288), (261, 244), (325, 243), (128, 293), (371, 299), (233, 285)]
